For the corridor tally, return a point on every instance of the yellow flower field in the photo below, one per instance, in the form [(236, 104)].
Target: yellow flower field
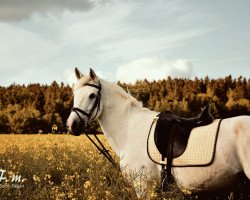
[(59, 167), (65, 167)]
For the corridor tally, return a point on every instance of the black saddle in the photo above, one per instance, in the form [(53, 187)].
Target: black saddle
[(171, 138), (172, 127)]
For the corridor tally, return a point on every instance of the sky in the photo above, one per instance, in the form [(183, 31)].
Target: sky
[(126, 40)]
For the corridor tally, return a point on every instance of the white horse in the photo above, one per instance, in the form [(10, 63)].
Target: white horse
[(125, 124)]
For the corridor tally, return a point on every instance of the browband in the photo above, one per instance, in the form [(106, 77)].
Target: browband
[(93, 85)]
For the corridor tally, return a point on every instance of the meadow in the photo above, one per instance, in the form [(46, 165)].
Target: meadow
[(59, 167), (64, 167)]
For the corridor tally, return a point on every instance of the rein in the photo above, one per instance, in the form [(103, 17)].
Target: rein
[(96, 106)]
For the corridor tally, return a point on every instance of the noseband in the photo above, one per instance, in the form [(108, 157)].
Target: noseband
[(96, 104)]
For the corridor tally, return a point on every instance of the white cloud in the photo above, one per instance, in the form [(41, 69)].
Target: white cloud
[(153, 69), (104, 37), (69, 76), (100, 74)]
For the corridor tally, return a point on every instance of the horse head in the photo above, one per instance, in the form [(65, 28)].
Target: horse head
[(87, 102)]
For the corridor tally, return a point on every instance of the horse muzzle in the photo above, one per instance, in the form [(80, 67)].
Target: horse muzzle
[(75, 128)]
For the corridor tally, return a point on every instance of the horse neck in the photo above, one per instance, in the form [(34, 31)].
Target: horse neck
[(115, 120)]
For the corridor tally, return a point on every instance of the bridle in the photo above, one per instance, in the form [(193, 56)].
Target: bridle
[(96, 104), (89, 114)]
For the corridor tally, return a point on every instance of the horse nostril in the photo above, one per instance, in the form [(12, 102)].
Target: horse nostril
[(74, 126)]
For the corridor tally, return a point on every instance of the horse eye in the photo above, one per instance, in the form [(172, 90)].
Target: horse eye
[(92, 96)]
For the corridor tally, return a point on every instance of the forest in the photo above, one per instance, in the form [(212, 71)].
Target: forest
[(36, 108)]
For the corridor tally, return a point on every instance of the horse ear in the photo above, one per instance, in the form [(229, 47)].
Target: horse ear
[(92, 74), (78, 73)]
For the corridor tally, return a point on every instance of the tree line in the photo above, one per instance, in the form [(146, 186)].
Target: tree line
[(39, 108)]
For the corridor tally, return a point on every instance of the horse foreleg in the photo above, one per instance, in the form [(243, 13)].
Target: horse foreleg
[(144, 180), (138, 179)]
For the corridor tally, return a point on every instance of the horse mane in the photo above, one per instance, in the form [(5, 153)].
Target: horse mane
[(124, 94), (118, 89)]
